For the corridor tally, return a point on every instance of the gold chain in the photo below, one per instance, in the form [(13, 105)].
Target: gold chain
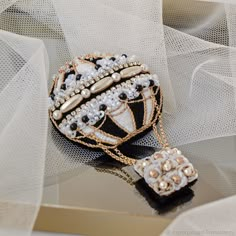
[(161, 137), (122, 175), (120, 157)]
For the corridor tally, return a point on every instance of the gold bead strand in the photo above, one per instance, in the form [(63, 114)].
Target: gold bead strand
[(162, 136), (123, 175), (154, 127), (130, 161), (120, 157)]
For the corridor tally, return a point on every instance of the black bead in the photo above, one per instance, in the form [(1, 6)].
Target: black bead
[(113, 58), (63, 86), (96, 59), (85, 119), (78, 76), (139, 87), (124, 55), (52, 96), (69, 73), (73, 126), (123, 96), (102, 107), (66, 74), (93, 60), (97, 67), (151, 82)]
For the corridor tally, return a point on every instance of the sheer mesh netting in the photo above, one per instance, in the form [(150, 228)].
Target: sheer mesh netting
[(189, 44)]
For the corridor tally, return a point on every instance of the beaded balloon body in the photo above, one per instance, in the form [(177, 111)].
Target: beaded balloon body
[(103, 100)]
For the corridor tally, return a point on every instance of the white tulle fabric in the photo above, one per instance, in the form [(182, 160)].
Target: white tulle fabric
[(191, 45)]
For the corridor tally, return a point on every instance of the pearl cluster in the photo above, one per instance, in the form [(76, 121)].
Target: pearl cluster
[(89, 73), (109, 101), (166, 171)]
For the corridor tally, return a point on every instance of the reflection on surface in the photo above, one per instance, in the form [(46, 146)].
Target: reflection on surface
[(161, 204), (164, 204), (95, 186)]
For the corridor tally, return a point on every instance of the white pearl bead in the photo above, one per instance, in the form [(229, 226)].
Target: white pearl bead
[(178, 152), (57, 104), (62, 100), (57, 115), (163, 185), (167, 166), (188, 171), (144, 67), (169, 151), (85, 93), (145, 163), (116, 77)]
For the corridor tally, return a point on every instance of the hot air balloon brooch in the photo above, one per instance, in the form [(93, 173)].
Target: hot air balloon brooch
[(102, 100)]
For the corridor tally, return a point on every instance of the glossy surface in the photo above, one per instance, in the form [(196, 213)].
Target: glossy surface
[(99, 188), (101, 85), (71, 103), (131, 71)]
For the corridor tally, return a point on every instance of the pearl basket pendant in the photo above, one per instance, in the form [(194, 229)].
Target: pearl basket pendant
[(166, 171)]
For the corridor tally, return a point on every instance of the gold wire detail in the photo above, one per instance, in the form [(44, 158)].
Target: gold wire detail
[(162, 139), (120, 156), (120, 173)]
